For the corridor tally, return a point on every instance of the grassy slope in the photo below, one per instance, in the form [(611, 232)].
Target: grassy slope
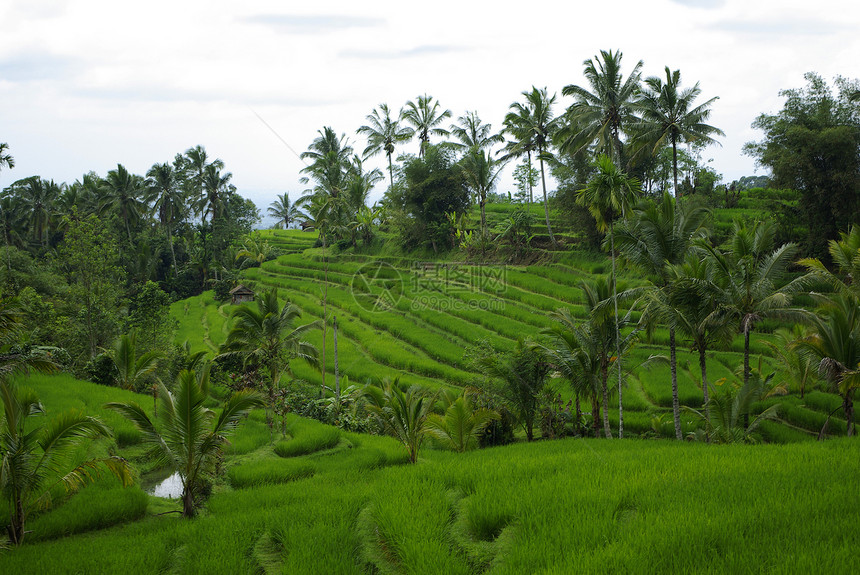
[(351, 505)]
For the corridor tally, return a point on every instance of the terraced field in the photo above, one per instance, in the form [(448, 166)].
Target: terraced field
[(414, 319)]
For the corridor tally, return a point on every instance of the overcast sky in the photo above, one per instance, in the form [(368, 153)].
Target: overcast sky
[(85, 85)]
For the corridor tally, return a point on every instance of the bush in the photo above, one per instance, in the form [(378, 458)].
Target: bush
[(101, 369)]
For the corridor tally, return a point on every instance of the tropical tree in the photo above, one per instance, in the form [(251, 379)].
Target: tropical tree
[(462, 424), (425, 117), (601, 113), (835, 344), (283, 211), (383, 133), (131, 368), (33, 459), (531, 126), (38, 197), (123, 194), (577, 352), (751, 278), (401, 413), (168, 200), (607, 196), (192, 165), (481, 172), (727, 417), (669, 116), (216, 191), (187, 442), (797, 369), (6, 158), (470, 133), (517, 378), (845, 254), (654, 238), (265, 335)]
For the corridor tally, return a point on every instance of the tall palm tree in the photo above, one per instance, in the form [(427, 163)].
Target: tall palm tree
[(216, 190), (531, 125), (123, 195), (6, 158), (186, 440), (192, 165), (654, 238), (521, 142), (600, 114), (470, 133), (425, 117), (835, 343), (607, 196), (481, 171), (383, 133), (168, 200), (359, 184), (265, 335), (670, 116), (38, 197)]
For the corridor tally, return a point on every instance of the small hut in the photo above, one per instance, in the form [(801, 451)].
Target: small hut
[(241, 294)]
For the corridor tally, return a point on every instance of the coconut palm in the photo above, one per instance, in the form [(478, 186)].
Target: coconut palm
[(425, 117), (531, 125), (600, 114), (131, 368), (384, 133), (670, 116), (187, 441), (6, 158), (283, 211), (216, 191), (470, 133), (521, 142), (727, 416), (845, 253), (481, 172), (401, 413), (462, 424), (654, 238), (751, 276), (123, 194), (265, 335), (607, 196), (192, 166), (168, 200), (798, 369), (38, 197), (835, 344)]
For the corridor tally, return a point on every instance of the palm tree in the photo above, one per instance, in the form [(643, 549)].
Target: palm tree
[(131, 369), (425, 118), (845, 253), (216, 189), (38, 197), (797, 368), (669, 115), (168, 200), (575, 350), (359, 184), (532, 126), (750, 278), (461, 426), (481, 172), (265, 335), (187, 441), (835, 344), (402, 413), (516, 125), (6, 158), (192, 165), (471, 133), (607, 196), (383, 134), (283, 211), (601, 115), (727, 416), (656, 237), (123, 195)]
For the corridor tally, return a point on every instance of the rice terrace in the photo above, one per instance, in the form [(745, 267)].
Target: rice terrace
[(614, 363)]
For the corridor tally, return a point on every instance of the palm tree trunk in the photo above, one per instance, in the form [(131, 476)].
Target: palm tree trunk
[(617, 335), (673, 367), (848, 408), (16, 526), (336, 371), (675, 167), (390, 171), (595, 415), (545, 204), (531, 195), (325, 311), (483, 218), (172, 252), (746, 364), (604, 376), (704, 367)]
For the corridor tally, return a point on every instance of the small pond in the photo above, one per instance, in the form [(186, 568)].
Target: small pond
[(169, 487)]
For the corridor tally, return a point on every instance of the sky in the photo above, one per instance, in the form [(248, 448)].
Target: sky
[(85, 85)]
